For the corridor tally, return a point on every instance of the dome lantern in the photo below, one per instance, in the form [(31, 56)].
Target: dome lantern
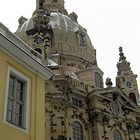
[(51, 5)]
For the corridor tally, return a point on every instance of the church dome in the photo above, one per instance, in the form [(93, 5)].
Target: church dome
[(59, 37), (66, 32), (60, 24)]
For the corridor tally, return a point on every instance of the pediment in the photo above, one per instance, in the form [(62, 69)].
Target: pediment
[(115, 94)]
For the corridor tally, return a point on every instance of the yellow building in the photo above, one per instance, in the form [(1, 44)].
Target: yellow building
[(22, 88)]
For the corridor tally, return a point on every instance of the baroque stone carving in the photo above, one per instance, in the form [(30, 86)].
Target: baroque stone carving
[(123, 66), (41, 32), (109, 82)]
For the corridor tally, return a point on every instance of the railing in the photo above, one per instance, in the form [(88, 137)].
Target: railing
[(74, 82)]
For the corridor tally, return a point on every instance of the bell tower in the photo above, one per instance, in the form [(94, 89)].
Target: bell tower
[(125, 79)]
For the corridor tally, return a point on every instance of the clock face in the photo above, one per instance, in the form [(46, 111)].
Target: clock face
[(129, 84)]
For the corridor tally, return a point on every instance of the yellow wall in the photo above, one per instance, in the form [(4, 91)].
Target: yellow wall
[(36, 116)]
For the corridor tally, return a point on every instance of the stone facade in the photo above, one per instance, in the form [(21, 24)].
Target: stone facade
[(77, 105)]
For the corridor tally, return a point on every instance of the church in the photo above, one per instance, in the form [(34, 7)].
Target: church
[(51, 87)]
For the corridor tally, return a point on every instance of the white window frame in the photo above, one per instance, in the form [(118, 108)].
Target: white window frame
[(23, 77)]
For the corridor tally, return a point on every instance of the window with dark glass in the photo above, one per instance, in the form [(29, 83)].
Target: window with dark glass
[(98, 80), (77, 131), (77, 102), (16, 101), (116, 135)]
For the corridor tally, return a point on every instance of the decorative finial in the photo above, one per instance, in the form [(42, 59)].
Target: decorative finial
[(122, 57), (123, 65), (109, 82)]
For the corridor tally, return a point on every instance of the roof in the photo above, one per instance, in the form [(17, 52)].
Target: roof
[(21, 52), (60, 24)]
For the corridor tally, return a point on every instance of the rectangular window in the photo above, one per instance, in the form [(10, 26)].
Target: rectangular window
[(81, 39), (16, 100)]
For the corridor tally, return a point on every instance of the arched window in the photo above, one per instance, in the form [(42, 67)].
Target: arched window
[(116, 135), (77, 131), (115, 107), (81, 38), (132, 97), (98, 80)]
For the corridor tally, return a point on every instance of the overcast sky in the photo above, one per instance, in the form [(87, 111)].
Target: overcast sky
[(109, 23)]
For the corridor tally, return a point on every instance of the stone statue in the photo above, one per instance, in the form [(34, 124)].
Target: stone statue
[(109, 82)]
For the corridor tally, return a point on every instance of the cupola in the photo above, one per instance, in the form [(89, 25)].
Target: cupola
[(51, 5)]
